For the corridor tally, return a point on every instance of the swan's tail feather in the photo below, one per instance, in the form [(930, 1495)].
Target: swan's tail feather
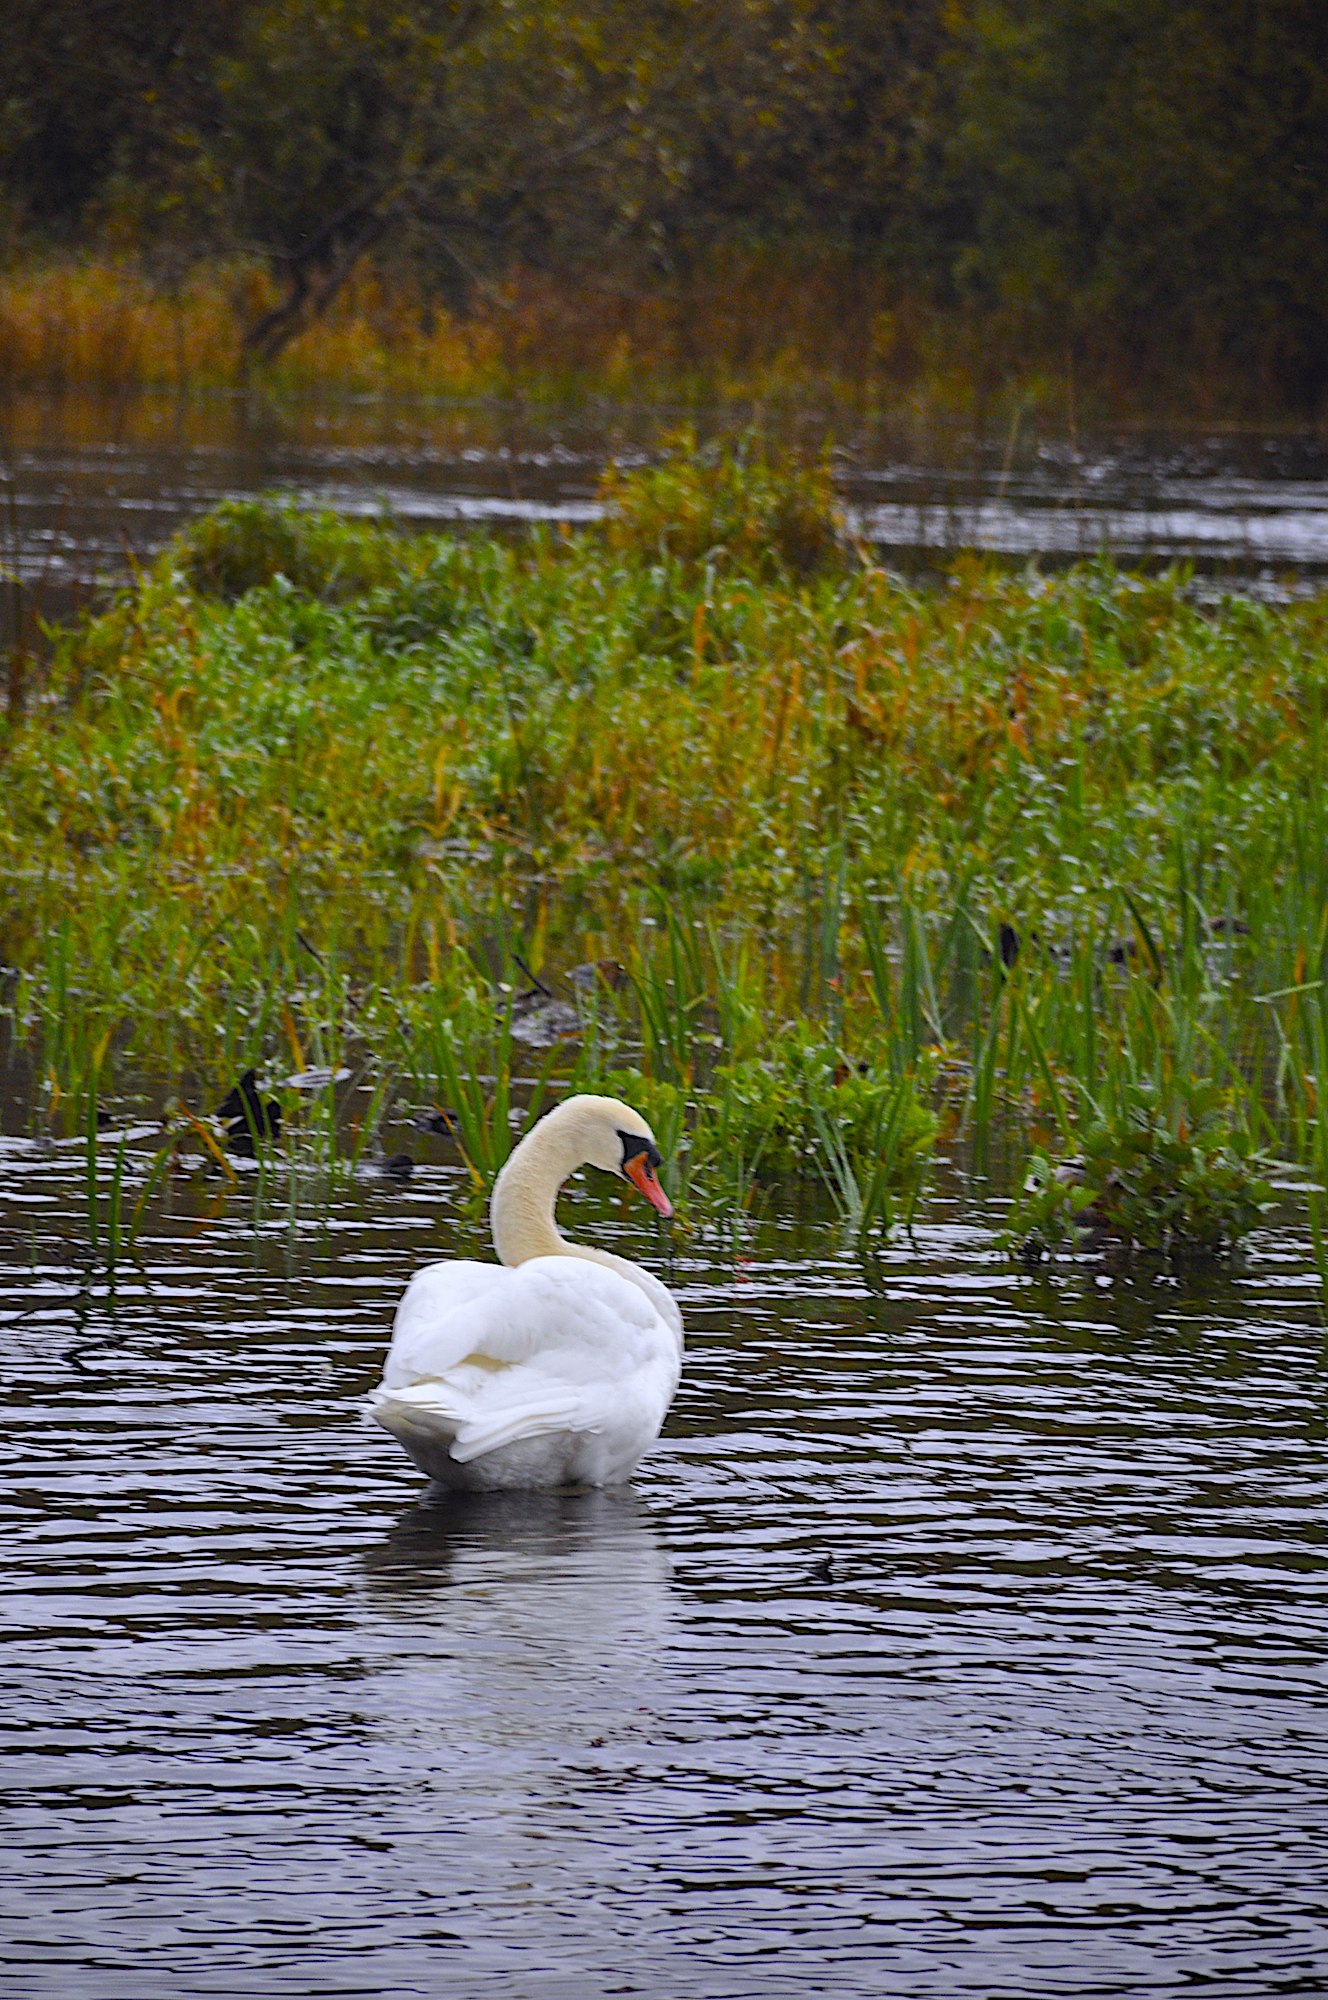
[(425, 1403), (435, 1408), (529, 1420)]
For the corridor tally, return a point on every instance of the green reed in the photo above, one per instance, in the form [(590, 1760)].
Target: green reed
[(111, 1174)]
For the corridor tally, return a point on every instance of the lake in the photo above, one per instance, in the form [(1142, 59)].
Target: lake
[(965, 1634)]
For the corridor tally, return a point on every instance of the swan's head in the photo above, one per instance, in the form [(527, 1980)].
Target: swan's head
[(579, 1132), (618, 1140)]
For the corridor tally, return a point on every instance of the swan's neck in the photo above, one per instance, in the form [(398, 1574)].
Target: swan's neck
[(521, 1214)]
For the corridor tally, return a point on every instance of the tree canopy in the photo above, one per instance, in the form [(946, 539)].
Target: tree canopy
[(1117, 173)]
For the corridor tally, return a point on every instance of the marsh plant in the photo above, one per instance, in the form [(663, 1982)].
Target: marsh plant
[(246, 545), (800, 1110), (878, 864), (727, 505), (1180, 1176)]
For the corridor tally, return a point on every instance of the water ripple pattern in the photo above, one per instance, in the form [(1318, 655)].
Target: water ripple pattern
[(965, 1635), (88, 492)]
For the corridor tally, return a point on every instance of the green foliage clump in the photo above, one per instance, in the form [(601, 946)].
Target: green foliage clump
[(798, 819), (727, 506), (800, 1108), (1178, 1176), (777, 1106), (244, 545)]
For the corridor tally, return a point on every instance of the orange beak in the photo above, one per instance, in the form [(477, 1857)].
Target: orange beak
[(642, 1176)]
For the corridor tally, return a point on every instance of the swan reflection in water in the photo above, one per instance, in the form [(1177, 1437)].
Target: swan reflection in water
[(520, 1617)]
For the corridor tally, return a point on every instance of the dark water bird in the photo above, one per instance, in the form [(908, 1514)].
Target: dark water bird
[(599, 972), (1010, 943), (827, 1570), (440, 1120), (1120, 951), (248, 1120), (397, 1167)]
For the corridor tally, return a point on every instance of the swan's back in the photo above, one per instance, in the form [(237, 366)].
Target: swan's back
[(558, 1372)]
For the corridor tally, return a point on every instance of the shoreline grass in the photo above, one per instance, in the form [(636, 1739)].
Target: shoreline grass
[(881, 862), (796, 331)]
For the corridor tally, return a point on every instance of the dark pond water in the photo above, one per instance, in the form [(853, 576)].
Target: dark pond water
[(965, 1635), (86, 489)]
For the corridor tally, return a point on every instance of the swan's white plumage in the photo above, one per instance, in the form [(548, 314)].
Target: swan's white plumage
[(558, 1371)]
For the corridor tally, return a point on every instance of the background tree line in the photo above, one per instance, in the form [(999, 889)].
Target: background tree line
[(1109, 176)]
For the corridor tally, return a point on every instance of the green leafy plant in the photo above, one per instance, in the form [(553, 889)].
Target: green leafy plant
[(780, 1101), (801, 1109), (1010, 843), (245, 544), (735, 506), (112, 1228), (1179, 1176)]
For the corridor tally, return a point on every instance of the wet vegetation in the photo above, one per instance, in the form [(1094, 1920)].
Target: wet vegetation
[(821, 868)]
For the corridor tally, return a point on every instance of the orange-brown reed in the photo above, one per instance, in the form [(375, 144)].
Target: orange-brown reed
[(741, 328), (759, 326)]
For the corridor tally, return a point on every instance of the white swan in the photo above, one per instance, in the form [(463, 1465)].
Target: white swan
[(554, 1371)]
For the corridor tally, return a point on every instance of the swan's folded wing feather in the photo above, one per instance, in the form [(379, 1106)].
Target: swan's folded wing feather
[(510, 1423), (574, 1318), (442, 1318)]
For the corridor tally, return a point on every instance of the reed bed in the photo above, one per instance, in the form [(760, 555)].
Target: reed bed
[(743, 329), (1032, 865), (107, 327)]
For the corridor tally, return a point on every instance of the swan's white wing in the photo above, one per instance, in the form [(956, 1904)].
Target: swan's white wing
[(495, 1355), (589, 1317), (475, 1429), (436, 1323), (587, 1322)]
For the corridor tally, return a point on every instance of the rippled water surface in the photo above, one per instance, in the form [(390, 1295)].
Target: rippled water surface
[(86, 489), (965, 1634)]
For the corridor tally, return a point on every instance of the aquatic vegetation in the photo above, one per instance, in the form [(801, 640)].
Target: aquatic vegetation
[(804, 1103), (726, 505), (798, 326), (750, 326), (113, 1228), (244, 544), (460, 1051), (100, 322), (1183, 1176), (987, 854)]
